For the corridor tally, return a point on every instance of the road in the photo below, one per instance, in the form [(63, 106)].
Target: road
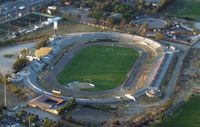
[(172, 83)]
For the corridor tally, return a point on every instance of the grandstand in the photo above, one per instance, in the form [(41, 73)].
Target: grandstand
[(161, 70)]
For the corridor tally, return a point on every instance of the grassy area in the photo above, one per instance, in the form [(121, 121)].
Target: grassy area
[(185, 9), (8, 55), (186, 116), (104, 66), (72, 27), (64, 27)]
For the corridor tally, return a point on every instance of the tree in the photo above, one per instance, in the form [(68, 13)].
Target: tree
[(142, 33), (140, 5), (141, 2), (98, 16), (69, 105), (159, 36), (47, 122), (42, 42), (123, 25), (127, 15), (19, 64), (145, 25), (168, 45), (121, 8), (24, 53), (1, 110), (110, 21)]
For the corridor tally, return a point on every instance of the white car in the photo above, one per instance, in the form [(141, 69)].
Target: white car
[(35, 27), (28, 31), (22, 31), (22, 7)]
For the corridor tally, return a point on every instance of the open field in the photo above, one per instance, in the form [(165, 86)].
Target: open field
[(186, 116), (67, 26), (64, 27), (104, 66), (185, 9)]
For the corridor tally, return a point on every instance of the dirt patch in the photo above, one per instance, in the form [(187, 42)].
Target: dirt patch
[(188, 81), (100, 116), (6, 62), (191, 71), (197, 25)]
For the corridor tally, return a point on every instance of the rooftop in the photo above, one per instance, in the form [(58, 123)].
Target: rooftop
[(45, 102), (43, 51)]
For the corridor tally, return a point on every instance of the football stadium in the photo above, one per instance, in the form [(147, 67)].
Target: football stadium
[(101, 65)]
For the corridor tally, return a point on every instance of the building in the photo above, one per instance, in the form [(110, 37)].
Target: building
[(154, 2), (43, 51), (46, 103), (153, 92)]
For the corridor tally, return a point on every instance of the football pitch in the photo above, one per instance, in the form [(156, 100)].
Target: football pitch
[(104, 66), (185, 9), (186, 116)]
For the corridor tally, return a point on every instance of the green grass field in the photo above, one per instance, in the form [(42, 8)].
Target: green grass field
[(187, 116), (185, 9), (104, 66)]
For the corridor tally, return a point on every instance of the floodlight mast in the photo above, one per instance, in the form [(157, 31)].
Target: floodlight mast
[(55, 27)]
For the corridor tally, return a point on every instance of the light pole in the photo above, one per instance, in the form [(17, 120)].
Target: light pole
[(5, 98), (3, 82), (29, 121)]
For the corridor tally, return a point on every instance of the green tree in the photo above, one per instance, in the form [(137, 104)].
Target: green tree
[(145, 25), (123, 25), (19, 64), (24, 53), (121, 8), (159, 36), (42, 42), (47, 122), (140, 4), (1, 110), (127, 15), (69, 105), (98, 16)]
